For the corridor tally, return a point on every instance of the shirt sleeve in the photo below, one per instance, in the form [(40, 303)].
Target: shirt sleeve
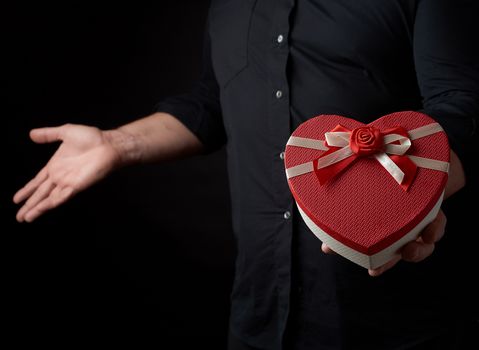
[(446, 59), (200, 109)]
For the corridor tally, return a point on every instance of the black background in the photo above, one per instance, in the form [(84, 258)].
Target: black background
[(146, 255)]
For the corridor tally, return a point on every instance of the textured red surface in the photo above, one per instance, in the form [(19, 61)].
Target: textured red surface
[(364, 207)]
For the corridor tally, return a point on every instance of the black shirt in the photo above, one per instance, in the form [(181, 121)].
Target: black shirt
[(272, 64)]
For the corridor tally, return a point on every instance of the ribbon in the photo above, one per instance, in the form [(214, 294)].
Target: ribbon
[(389, 147)]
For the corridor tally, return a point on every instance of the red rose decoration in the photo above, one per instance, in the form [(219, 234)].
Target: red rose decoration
[(366, 140)]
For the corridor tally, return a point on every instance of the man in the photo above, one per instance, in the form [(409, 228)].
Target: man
[(269, 66)]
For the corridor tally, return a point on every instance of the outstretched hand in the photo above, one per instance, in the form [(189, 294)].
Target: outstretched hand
[(84, 157)]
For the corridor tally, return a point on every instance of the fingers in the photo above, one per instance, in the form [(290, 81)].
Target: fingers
[(42, 135), (380, 270), (46, 135), (417, 251), (435, 230), (30, 187), (424, 246), (325, 248), (38, 195), (57, 197)]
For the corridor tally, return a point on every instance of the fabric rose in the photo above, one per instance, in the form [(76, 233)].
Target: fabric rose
[(366, 140)]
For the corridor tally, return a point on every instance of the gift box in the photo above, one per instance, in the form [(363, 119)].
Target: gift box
[(366, 190)]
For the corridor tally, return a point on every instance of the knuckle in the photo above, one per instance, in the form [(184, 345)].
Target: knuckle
[(426, 252)]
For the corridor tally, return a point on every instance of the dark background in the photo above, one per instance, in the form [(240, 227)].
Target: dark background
[(146, 255)]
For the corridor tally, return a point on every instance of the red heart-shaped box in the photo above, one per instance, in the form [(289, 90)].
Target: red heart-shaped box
[(363, 213)]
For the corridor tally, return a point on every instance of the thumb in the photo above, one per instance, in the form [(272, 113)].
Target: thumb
[(46, 135)]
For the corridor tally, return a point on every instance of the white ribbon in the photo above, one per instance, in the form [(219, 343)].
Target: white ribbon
[(341, 139)]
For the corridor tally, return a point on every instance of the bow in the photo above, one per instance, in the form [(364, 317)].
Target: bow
[(346, 146)]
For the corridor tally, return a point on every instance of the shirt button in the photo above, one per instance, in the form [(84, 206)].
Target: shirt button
[(279, 94), (286, 215), (281, 155), (280, 39)]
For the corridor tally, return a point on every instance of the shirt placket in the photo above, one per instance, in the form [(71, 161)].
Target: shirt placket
[(280, 128)]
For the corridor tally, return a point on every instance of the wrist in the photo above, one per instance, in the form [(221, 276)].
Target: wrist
[(457, 178), (125, 147)]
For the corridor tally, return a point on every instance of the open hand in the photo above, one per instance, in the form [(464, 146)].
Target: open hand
[(84, 157)]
